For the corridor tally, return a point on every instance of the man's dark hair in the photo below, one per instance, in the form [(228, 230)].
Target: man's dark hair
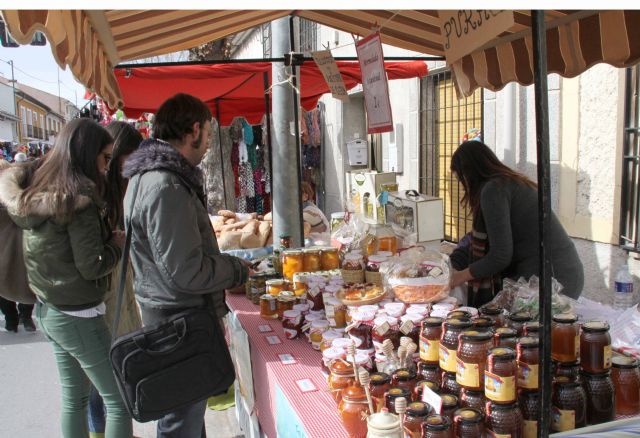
[(176, 116)]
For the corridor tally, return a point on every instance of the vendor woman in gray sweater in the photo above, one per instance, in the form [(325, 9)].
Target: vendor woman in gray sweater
[(504, 241)]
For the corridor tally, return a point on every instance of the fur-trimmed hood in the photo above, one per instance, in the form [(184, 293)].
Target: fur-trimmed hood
[(156, 154)]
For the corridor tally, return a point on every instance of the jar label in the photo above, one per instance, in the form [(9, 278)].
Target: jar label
[(562, 420), (606, 354), (577, 345), (272, 305), (448, 359), (406, 327), (468, 374), (383, 328), (429, 350), (492, 434), (498, 388), (329, 311), (530, 429), (527, 375), (409, 434), (290, 334)]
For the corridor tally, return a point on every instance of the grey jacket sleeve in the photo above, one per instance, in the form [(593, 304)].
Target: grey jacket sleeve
[(496, 210), (174, 238)]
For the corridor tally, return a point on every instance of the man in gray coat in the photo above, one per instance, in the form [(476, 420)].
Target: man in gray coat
[(174, 252)]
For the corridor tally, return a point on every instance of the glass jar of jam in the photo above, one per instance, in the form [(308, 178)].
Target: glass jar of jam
[(359, 330), (385, 327), (291, 323), (329, 259), (363, 360), (459, 314), (569, 405), (517, 319), (565, 338), (595, 347), (353, 268), (336, 312), (392, 394), (308, 320), (450, 384), (318, 327), (379, 384), (494, 312), (275, 286), (354, 410), (569, 369), (472, 399), (394, 309), (531, 328), (601, 405), (527, 355), (341, 377), (430, 334), (471, 357), (404, 378), (626, 381), (331, 354), (504, 420), (285, 301), (505, 337), (483, 324), (312, 259), (419, 388), (292, 262), (410, 326), (417, 413), (268, 307), (328, 337), (468, 423), (372, 271), (449, 343), (314, 296), (303, 308), (529, 402), (500, 375), (429, 371), (437, 426), (450, 404)]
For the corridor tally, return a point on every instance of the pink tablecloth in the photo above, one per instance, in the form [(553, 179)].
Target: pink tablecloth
[(316, 410)]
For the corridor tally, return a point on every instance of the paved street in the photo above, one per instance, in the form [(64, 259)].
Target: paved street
[(30, 392)]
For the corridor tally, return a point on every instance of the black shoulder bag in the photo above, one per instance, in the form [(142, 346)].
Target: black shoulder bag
[(172, 364)]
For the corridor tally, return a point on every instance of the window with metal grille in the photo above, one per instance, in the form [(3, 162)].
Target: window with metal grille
[(630, 202), (266, 40), (443, 122), (308, 35)]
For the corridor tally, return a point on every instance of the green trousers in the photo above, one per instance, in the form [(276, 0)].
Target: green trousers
[(81, 347)]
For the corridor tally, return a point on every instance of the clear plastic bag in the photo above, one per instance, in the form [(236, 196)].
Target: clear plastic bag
[(523, 295)]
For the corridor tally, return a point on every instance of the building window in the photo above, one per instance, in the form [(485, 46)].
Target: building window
[(443, 122), (630, 202), (308, 35), (266, 40), (23, 111)]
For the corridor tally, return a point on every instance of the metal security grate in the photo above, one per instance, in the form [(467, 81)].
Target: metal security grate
[(308, 35), (630, 202), (443, 122), (266, 40)]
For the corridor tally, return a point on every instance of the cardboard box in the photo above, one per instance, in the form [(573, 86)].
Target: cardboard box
[(363, 193), (415, 217)]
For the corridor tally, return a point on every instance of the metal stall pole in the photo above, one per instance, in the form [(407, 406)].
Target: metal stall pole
[(224, 186), (267, 112), (544, 212), (296, 118), (287, 208)]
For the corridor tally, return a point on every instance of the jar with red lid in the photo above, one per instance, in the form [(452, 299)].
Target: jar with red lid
[(291, 324), (450, 404), (437, 426), (410, 326), (601, 404), (404, 378), (329, 355), (417, 413), (504, 420), (527, 355), (473, 399), (318, 328), (568, 405), (483, 324), (419, 388), (468, 423), (372, 270), (354, 410), (303, 308), (429, 371), (505, 337), (626, 381), (517, 319), (595, 347), (494, 312), (471, 358), (341, 377), (394, 393), (449, 343), (385, 327), (314, 296), (359, 330), (569, 369), (500, 375), (529, 402), (379, 383), (430, 334), (565, 338), (531, 328), (450, 384)]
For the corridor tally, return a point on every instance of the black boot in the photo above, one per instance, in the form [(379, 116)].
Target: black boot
[(11, 325), (28, 324)]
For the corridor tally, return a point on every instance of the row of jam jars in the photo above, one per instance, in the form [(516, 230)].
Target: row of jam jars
[(568, 405), (473, 348), (565, 338), (626, 381)]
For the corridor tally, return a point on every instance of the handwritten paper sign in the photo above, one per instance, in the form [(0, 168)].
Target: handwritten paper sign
[(374, 84), (329, 68), (466, 30)]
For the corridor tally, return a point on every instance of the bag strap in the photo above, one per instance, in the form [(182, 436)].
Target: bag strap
[(125, 260)]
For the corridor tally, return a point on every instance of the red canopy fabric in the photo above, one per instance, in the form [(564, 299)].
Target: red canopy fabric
[(238, 88)]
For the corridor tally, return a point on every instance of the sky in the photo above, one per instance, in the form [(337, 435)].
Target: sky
[(36, 67)]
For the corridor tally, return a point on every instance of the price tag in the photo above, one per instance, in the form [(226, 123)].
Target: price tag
[(265, 328), (306, 385), (406, 327), (287, 359), (273, 340), (383, 328), (432, 399)]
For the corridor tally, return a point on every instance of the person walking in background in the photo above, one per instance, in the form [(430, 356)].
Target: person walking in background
[(16, 313), (70, 253), (174, 252)]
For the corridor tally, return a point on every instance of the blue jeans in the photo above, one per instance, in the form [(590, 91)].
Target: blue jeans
[(96, 412)]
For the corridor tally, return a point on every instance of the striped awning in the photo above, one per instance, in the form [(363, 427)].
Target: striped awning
[(92, 42)]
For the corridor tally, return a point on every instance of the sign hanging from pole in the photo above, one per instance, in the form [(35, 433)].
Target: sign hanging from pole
[(374, 84), (466, 30), (329, 68)]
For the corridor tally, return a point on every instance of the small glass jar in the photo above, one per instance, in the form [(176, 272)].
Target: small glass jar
[(517, 320), (569, 405), (329, 258), (471, 357), (500, 375), (379, 384), (395, 309), (601, 404), (404, 378), (569, 369), (268, 307), (303, 308), (473, 399), (529, 402), (276, 285), (336, 312), (418, 309), (372, 271), (341, 377), (386, 239), (565, 338), (392, 394), (308, 320), (449, 343), (256, 287), (385, 327), (312, 260), (505, 337), (459, 314), (437, 426), (354, 410), (429, 371), (285, 301), (328, 337), (450, 405), (291, 323), (449, 384), (527, 355), (360, 329), (430, 335), (504, 420), (300, 283), (531, 328), (314, 296), (626, 381), (494, 312), (483, 324), (331, 354), (353, 268), (410, 326), (419, 388), (595, 347), (318, 327), (292, 262), (417, 413), (468, 423)]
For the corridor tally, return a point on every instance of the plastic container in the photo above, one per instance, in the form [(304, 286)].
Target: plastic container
[(623, 289)]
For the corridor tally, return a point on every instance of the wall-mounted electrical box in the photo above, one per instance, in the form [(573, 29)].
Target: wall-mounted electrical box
[(358, 151), (395, 150)]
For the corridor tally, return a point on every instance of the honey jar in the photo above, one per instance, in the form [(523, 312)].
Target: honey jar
[(468, 423), (517, 320), (529, 402), (527, 355), (569, 405), (471, 358), (318, 328), (275, 286), (430, 335), (379, 384), (504, 419), (404, 378), (329, 355), (565, 338), (417, 413), (419, 388), (437, 426), (626, 381), (494, 312), (268, 307), (500, 375), (449, 405), (449, 343), (595, 347), (472, 399), (292, 262), (601, 405), (329, 258), (505, 337), (483, 324), (569, 369), (430, 372), (394, 393), (531, 328), (450, 384)]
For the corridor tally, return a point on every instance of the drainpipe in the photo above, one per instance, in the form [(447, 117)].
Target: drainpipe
[(287, 206)]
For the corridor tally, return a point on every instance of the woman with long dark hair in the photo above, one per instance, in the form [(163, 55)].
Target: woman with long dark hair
[(504, 241), (70, 253)]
